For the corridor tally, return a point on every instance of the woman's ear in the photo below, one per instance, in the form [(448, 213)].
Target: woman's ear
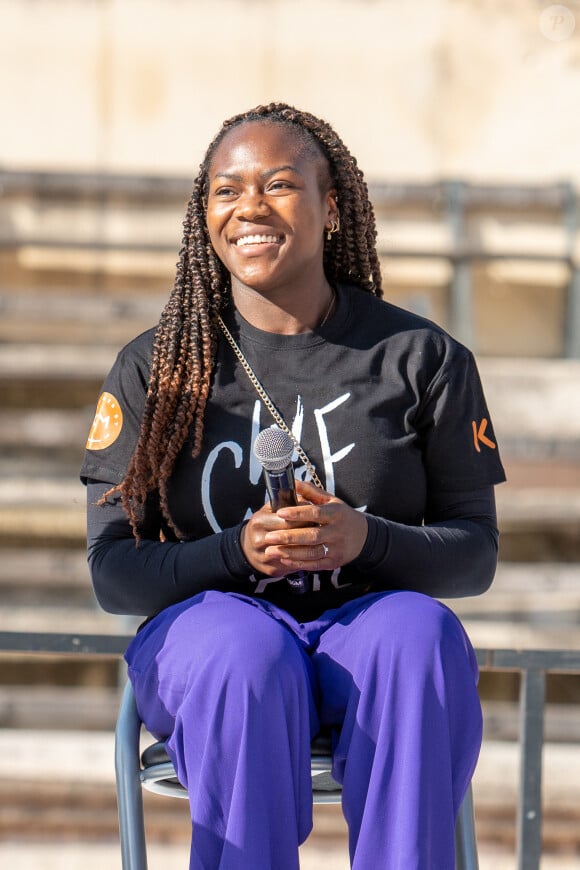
[(332, 202)]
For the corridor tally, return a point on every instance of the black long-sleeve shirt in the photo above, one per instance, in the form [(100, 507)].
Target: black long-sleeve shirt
[(390, 411)]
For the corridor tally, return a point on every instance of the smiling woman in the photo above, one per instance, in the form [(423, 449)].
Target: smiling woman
[(276, 312)]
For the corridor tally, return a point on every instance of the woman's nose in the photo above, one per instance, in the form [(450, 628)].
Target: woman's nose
[(252, 204)]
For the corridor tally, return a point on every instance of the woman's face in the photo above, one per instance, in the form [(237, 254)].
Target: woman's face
[(268, 206)]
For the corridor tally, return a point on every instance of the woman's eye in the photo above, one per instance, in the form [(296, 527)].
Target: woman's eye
[(280, 185), (224, 191)]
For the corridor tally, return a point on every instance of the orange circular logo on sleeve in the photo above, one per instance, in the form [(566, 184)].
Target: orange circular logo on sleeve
[(107, 424)]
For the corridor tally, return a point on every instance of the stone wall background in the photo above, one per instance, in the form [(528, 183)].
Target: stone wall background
[(474, 88)]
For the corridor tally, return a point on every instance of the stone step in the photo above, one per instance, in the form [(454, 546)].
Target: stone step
[(538, 505), (38, 491), (24, 431), (23, 524), (32, 706), (532, 591), (67, 307), (66, 362), (316, 854), (61, 619), (48, 568), (60, 785), (49, 322), (75, 708)]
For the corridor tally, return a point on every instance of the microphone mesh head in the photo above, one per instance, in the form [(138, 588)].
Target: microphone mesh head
[(274, 449)]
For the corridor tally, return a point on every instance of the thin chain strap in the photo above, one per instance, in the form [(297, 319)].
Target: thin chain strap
[(269, 403)]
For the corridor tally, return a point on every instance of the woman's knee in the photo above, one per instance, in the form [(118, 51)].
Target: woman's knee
[(218, 651), (226, 638), (414, 625)]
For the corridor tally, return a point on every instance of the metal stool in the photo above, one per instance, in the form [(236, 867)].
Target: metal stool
[(155, 772)]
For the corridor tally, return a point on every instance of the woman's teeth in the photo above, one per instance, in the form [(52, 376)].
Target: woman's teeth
[(258, 240)]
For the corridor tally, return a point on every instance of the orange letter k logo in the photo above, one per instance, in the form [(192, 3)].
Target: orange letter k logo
[(479, 435)]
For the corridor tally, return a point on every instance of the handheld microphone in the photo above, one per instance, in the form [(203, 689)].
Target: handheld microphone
[(274, 449)]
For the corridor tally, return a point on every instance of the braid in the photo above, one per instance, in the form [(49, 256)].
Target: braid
[(185, 342)]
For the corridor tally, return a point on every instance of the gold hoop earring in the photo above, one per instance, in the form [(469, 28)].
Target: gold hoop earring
[(334, 227)]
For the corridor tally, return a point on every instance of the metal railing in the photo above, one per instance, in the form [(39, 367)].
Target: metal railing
[(532, 665)]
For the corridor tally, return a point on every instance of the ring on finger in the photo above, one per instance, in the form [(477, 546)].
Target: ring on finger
[(326, 551)]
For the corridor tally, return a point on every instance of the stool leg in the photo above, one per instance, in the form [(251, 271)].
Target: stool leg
[(129, 795), (465, 841)]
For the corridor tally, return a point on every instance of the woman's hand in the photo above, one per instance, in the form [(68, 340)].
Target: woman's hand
[(319, 534), (255, 546)]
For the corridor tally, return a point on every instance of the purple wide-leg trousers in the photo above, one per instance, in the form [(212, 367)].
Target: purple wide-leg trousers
[(240, 688)]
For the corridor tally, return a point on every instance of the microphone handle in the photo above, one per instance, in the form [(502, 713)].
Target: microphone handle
[(282, 492)]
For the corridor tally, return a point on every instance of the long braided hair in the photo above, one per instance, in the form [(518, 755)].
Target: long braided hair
[(184, 348)]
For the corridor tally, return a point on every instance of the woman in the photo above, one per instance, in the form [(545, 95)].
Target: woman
[(276, 310)]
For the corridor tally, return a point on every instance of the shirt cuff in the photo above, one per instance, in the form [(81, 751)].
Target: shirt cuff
[(376, 546), (233, 555)]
